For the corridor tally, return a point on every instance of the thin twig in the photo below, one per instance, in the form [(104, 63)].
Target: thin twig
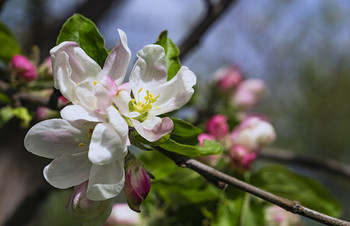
[(213, 13), (327, 165), (215, 175)]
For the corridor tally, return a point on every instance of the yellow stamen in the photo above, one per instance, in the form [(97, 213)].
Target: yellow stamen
[(81, 145), (95, 82), (158, 107), (140, 90), (133, 100), (78, 83)]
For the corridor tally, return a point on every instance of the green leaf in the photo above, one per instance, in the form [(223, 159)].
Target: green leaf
[(209, 148), (83, 31), (184, 132), (171, 54), (6, 114), (283, 182), (8, 44), (22, 114), (4, 98)]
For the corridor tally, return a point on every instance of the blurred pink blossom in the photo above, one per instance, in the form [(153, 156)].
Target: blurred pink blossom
[(253, 133), (122, 215), (228, 77), (242, 157), (23, 68), (217, 126), (204, 136), (248, 93), (276, 216)]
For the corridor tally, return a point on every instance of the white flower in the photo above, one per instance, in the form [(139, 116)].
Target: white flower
[(84, 146), (82, 81), (153, 95)]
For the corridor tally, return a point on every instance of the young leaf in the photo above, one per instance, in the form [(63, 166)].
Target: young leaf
[(171, 54), (83, 31), (283, 182), (4, 98), (8, 44), (184, 132), (209, 148)]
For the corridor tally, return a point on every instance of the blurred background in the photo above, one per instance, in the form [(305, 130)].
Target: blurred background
[(300, 48)]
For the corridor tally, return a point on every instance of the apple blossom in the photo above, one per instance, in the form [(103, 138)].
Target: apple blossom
[(82, 81), (241, 157), (153, 95), (217, 126), (227, 78), (85, 146), (122, 215), (276, 216)]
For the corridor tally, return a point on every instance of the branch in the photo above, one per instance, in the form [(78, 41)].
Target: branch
[(215, 175), (213, 13), (290, 157)]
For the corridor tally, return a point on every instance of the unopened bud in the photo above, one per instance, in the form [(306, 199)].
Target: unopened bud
[(85, 209), (227, 78), (43, 113), (241, 157), (204, 136), (137, 183), (23, 68), (217, 126), (253, 133), (248, 93)]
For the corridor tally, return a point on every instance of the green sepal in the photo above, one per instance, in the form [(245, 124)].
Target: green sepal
[(83, 31), (171, 54)]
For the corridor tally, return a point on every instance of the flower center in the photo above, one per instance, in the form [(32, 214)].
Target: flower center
[(143, 106), (81, 145)]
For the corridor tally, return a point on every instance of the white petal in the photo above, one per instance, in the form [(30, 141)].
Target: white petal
[(54, 137), (85, 94), (118, 60), (118, 122), (153, 128), (121, 100), (106, 181), (62, 77), (149, 71), (175, 93), (83, 67), (76, 112), (106, 145), (104, 90), (68, 170)]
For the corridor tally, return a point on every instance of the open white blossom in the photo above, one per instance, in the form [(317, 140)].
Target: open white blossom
[(88, 148), (153, 95), (82, 81)]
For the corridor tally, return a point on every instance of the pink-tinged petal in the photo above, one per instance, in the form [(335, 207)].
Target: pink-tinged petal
[(150, 69), (106, 145), (106, 181), (76, 112), (204, 136), (62, 77), (68, 170), (118, 60), (217, 126), (153, 128), (104, 90), (54, 137), (82, 66), (175, 93), (119, 124)]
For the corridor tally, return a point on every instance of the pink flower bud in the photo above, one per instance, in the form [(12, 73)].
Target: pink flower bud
[(276, 216), (217, 126), (228, 78), (85, 209), (241, 157), (43, 113), (122, 215), (137, 183), (23, 68), (204, 136), (46, 67), (248, 93), (253, 133)]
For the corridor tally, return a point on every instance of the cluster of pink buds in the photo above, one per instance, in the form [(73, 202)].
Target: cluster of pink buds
[(21, 67), (243, 144), (245, 93)]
